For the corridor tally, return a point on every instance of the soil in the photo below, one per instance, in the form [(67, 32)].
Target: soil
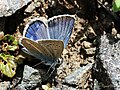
[(92, 19)]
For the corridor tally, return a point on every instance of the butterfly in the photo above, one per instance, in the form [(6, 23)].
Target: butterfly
[(46, 39)]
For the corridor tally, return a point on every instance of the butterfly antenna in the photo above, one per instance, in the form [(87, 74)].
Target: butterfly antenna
[(38, 64)]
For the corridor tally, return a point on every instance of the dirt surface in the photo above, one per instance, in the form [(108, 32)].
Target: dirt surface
[(92, 19)]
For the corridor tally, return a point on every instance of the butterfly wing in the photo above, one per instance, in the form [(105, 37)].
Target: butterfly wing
[(55, 47), (38, 51), (36, 29), (60, 27), (46, 42)]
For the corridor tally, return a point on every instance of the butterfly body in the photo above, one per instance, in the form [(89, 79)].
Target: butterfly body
[(46, 40)]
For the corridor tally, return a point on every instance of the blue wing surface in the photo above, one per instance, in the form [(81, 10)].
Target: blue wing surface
[(36, 30), (60, 27), (69, 28), (53, 28)]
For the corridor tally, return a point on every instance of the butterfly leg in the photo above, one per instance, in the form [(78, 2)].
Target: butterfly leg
[(51, 67), (52, 71), (49, 74), (56, 64)]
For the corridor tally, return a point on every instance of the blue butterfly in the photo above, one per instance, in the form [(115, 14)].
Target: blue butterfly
[(46, 39)]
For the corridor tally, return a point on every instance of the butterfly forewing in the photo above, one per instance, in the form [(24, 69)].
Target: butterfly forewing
[(36, 30), (38, 51), (55, 47)]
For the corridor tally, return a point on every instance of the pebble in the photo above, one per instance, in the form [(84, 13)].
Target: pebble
[(114, 31), (1, 34), (86, 44), (30, 8), (90, 51), (118, 36), (90, 33)]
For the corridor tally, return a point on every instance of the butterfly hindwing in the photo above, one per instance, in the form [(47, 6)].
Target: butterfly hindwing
[(69, 28), (55, 47)]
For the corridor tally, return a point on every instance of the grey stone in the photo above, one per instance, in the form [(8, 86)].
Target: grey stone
[(31, 78), (77, 75), (34, 4), (108, 62), (30, 8), (8, 7), (4, 85)]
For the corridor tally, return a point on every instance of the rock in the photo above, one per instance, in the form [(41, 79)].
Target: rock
[(31, 78), (8, 7), (1, 34), (77, 75), (86, 44), (52, 3), (107, 66), (5, 85), (90, 59), (30, 8), (114, 31), (90, 51), (36, 4), (118, 36), (96, 85), (65, 51), (91, 33)]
